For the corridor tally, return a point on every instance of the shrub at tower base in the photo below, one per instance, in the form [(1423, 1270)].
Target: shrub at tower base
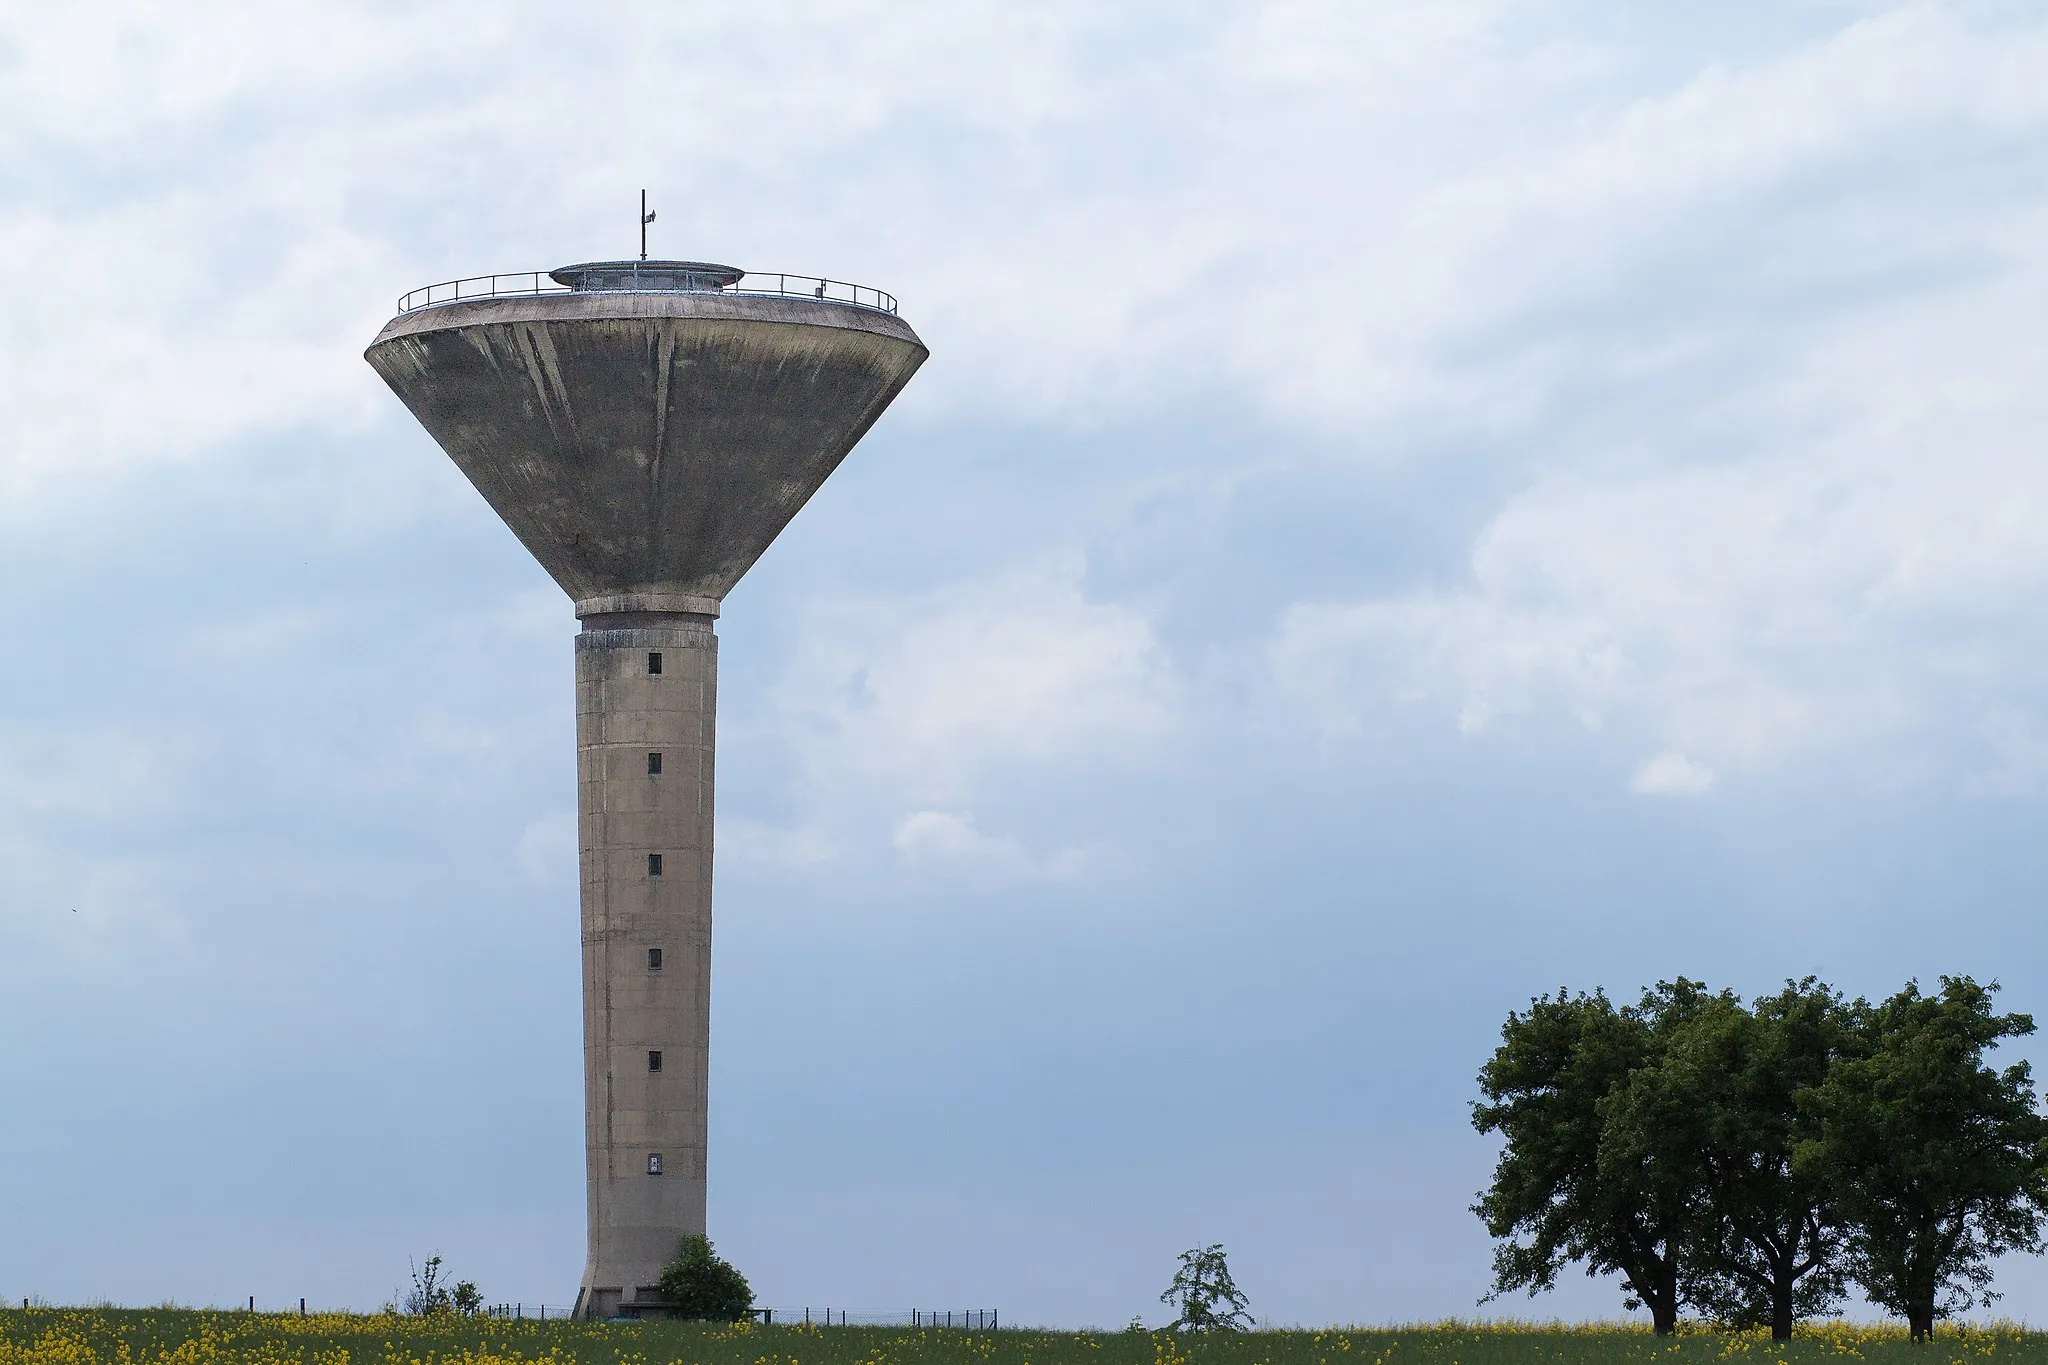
[(1751, 1162), (703, 1286)]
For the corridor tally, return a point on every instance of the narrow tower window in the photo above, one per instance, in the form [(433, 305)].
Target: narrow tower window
[(653, 1059), (653, 662), (654, 765), (654, 864), (654, 959), (654, 1163)]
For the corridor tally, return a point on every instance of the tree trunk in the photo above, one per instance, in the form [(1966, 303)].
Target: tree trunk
[(1661, 1297), (1920, 1318), (1781, 1304)]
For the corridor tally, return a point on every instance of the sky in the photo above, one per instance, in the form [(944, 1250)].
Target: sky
[(1410, 507)]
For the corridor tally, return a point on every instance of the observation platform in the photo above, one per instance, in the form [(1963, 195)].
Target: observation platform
[(649, 277)]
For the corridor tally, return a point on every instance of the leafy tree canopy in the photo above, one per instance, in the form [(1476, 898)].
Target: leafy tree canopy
[(701, 1284), (1939, 1161), (1751, 1162), (1560, 1194), (1717, 1102), (1205, 1294)]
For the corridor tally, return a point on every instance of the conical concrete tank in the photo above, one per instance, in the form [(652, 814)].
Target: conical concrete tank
[(646, 429)]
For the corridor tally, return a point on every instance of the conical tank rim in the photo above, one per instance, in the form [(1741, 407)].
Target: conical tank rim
[(613, 304)]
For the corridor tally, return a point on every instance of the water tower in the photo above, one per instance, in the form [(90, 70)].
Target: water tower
[(646, 428)]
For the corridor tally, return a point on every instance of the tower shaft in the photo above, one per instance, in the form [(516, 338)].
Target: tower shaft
[(646, 713)]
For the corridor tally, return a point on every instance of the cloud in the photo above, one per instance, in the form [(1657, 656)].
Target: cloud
[(764, 844), (109, 777), (1357, 665), (947, 840), (263, 639), (948, 729), (254, 187), (1750, 450), (1744, 344), (1767, 480), (1672, 775), (1847, 565), (86, 909), (932, 695)]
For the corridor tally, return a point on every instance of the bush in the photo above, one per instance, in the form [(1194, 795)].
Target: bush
[(700, 1285), (431, 1294)]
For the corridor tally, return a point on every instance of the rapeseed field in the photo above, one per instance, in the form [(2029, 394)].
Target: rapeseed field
[(175, 1336)]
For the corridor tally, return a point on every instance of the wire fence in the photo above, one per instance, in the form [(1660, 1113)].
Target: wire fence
[(973, 1319), (976, 1319), (753, 284)]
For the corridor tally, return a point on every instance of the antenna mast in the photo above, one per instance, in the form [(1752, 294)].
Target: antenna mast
[(645, 219)]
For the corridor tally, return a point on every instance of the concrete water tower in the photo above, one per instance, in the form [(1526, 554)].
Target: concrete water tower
[(646, 428)]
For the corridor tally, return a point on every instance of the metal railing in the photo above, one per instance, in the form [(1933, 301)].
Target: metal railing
[(755, 284)]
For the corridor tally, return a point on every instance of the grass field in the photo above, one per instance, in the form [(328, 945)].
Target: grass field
[(173, 1336)]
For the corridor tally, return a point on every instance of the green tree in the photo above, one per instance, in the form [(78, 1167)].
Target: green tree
[(1562, 1192), (1720, 1098), (1935, 1159), (1208, 1299), (701, 1284)]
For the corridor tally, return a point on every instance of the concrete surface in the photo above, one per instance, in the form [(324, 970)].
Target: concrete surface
[(646, 447)]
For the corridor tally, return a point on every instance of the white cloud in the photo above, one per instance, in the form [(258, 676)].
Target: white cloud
[(1672, 775), (1755, 361), (1356, 665), (1063, 193), (901, 714), (96, 774), (928, 697), (1816, 560), (948, 840), (87, 910), (262, 639), (1779, 453), (754, 841)]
